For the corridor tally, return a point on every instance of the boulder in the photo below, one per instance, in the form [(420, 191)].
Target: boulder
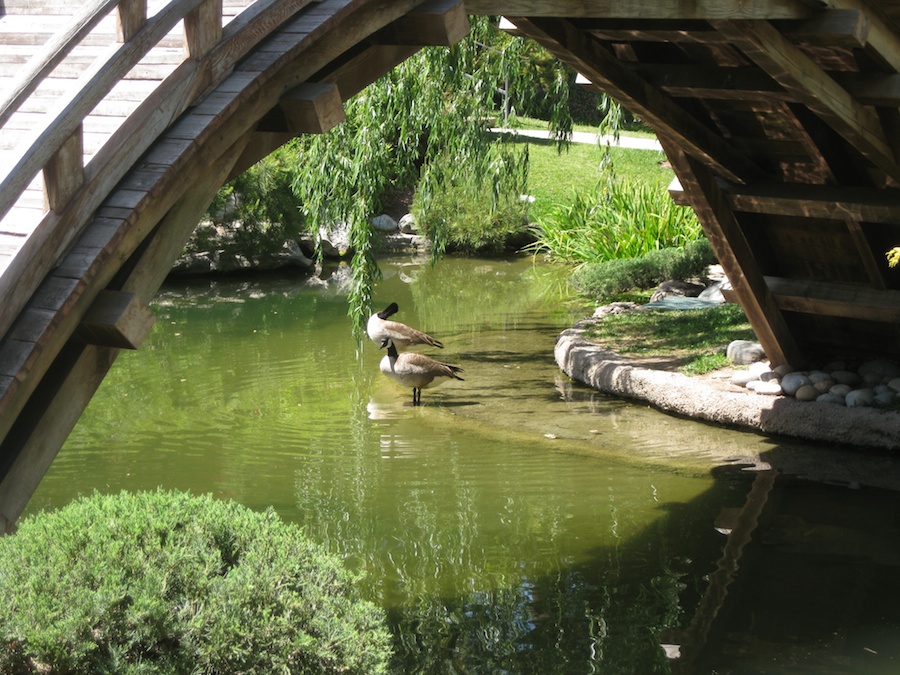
[(744, 352), (384, 223)]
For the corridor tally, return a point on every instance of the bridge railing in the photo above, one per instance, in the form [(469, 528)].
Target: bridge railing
[(56, 143), (74, 188)]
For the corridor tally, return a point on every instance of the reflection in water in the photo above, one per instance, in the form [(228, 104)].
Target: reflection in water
[(516, 522)]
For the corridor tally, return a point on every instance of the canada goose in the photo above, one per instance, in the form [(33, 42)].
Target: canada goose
[(381, 330), (416, 370)]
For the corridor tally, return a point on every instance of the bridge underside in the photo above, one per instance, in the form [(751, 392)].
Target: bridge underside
[(781, 122), (780, 118)]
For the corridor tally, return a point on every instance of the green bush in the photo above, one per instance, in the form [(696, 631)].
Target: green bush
[(169, 583), (460, 211), (605, 280)]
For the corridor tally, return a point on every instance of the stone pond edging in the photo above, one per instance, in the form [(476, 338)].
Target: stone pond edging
[(703, 399)]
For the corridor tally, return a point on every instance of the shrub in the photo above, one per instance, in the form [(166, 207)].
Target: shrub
[(169, 583), (607, 279), (460, 211)]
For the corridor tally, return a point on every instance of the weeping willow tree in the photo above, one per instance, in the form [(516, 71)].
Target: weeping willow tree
[(424, 124)]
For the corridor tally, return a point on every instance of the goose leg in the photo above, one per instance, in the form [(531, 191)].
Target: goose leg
[(417, 397)]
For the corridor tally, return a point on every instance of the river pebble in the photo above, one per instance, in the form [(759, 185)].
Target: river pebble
[(872, 383), (807, 392)]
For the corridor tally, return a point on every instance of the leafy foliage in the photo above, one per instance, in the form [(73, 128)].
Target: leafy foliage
[(168, 583), (605, 280)]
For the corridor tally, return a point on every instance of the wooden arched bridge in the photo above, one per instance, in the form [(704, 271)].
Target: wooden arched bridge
[(120, 122)]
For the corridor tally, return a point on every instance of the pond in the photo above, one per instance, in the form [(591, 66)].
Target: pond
[(516, 522)]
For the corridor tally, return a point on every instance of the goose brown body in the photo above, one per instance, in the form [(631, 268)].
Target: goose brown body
[(416, 370), (381, 329)]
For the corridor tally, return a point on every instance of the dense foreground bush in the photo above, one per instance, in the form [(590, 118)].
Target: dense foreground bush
[(169, 583), (603, 281)]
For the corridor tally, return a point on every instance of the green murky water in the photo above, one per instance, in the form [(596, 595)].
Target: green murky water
[(516, 522)]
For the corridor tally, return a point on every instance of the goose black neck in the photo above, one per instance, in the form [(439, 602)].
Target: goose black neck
[(390, 310)]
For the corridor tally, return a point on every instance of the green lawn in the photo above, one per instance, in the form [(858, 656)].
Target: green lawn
[(554, 177)]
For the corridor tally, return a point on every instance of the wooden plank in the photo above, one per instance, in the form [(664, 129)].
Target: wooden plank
[(816, 201), (312, 108), (52, 54), (882, 40), (845, 29), (203, 29), (436, 22), (645, 9), (29, 450), (99, 79), (735, 255), (832, 299), (64, 173), (799, 74), (711, 82), (131, 15), (665, 116), (358, 72), (116, 319)]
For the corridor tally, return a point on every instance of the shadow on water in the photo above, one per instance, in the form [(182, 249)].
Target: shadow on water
[(516, 522)]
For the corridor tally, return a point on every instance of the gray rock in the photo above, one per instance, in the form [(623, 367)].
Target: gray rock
[(676, 288), (846, 377), (769, 376), (895, 384), (880, 368), (793, 381), (744, 352), (830, 398), (384, 223), (859, 397), (783, 369), (824, 386), (840, 390), (885, 398)]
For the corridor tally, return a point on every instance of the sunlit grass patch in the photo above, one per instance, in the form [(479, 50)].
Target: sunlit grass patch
[(699, 334)]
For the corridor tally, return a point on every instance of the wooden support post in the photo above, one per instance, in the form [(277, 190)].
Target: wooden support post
[(437, 22), (735, 255), (312, 108), (131, 15), (38, 434), (203, 29), (64, 173), (116, 319)]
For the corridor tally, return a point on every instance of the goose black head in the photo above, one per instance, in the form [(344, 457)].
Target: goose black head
[(390, 310)]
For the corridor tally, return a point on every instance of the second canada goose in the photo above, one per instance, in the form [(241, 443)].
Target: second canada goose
[(416, 370), (380, 330)]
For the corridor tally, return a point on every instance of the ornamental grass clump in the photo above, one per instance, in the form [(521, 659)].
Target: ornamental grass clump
[(624, 220), (165, 582)]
